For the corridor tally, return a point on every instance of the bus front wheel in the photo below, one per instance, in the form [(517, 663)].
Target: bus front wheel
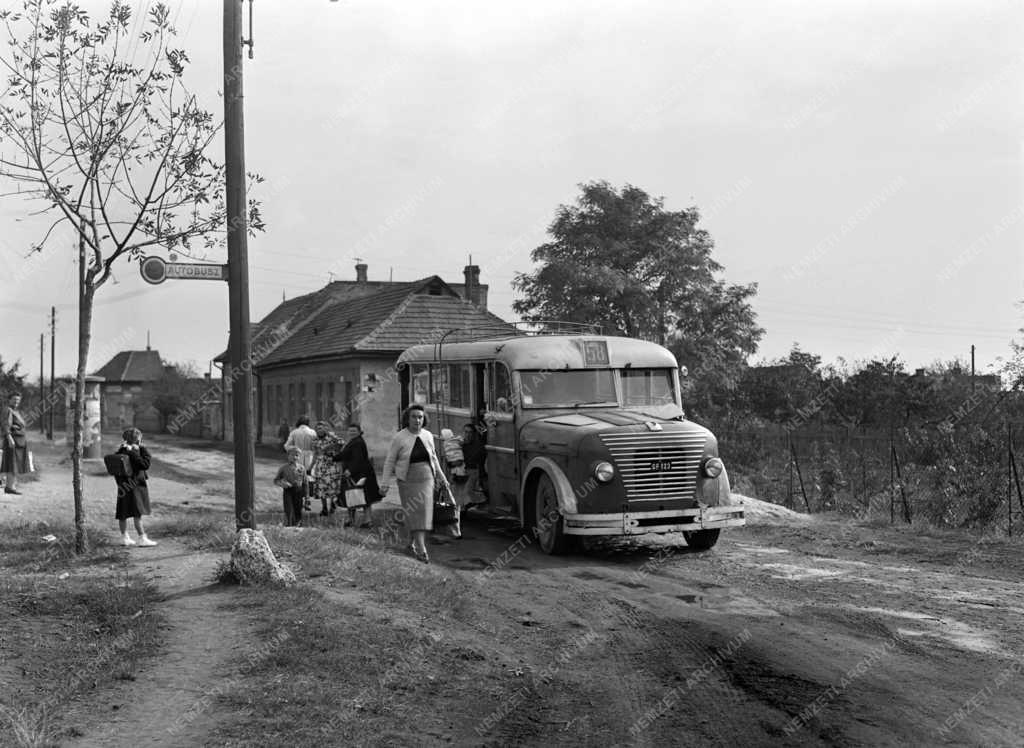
[(548, 526)]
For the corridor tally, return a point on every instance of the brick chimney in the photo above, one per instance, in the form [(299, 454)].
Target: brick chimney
[(361, 272), (472, 276)]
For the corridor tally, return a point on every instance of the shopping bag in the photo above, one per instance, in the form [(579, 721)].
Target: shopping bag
[(355, 495)]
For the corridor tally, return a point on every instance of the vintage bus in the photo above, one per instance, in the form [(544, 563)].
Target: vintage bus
[(585, 434)]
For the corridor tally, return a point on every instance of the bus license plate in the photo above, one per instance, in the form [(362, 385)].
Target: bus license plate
[(661, 466)]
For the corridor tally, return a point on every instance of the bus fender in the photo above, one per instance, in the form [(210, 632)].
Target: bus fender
[(563, 488)]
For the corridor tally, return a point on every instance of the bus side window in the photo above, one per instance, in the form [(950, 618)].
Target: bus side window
[(502, 393)]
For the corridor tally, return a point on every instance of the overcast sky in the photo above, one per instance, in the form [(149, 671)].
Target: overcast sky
[(860, 161)]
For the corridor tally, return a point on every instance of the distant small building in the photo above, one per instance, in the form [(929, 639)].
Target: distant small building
[(127, 390), (330, 354)]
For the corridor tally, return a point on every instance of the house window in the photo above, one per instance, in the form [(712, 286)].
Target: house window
[(268, 400), (303, 408), (280, 404), (291, 402), (321, 409)]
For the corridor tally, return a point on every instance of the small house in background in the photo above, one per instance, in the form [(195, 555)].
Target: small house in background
[(127, 390), (330, 354)]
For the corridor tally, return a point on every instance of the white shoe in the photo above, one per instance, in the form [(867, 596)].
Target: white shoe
[(145, 542), (126, 540)]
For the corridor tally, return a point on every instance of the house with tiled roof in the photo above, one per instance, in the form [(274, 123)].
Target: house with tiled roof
[(327, 354), (126, 390)]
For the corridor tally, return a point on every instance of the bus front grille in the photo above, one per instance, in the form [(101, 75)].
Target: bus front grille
[(657, 466)]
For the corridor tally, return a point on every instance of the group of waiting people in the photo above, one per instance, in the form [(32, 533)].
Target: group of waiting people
[(323, 466)]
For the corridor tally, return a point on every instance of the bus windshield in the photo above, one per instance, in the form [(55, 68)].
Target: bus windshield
[(574, 387), (647, 387), (568, 387)]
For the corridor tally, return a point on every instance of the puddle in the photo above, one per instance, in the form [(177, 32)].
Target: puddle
[(632, 585), (949, 629), (761, 549), (800, 573), (588, 575), (697, 600)]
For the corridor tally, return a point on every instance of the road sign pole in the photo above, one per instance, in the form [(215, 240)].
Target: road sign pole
[(240, 348)]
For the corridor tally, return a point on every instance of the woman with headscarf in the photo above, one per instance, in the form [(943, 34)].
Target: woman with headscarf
[(413, 462), (356, 466), (15, 459), (326, 473)]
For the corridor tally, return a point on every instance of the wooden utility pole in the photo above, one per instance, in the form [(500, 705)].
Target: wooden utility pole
[(972, 367), (53, 354), (42, 388), (240, 347)]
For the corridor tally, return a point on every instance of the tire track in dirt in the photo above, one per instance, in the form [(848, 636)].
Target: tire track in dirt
[(171, 701)]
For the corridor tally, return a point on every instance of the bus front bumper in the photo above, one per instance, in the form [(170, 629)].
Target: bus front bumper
[(641, 523)]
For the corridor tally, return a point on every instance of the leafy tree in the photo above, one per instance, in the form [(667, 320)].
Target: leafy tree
[(174, 391), (619, 259), (97, 126), (786, 389), (10, 379)]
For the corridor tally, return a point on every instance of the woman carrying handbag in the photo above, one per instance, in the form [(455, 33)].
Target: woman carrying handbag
[(412, 462)]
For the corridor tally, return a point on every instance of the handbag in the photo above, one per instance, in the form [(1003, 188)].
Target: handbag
[(355, 495), (446, 511)]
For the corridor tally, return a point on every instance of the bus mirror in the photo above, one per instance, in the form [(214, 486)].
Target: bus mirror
[(683, 371)]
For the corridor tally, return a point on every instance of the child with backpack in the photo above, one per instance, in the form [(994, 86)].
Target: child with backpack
[(128, 466)]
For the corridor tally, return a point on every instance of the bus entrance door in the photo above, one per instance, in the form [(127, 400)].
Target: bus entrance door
[(502, 465)]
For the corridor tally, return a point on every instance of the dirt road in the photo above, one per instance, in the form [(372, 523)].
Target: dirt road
[(809, 632), (792, 631)]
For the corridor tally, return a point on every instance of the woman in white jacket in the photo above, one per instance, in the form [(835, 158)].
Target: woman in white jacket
[(412, 461)]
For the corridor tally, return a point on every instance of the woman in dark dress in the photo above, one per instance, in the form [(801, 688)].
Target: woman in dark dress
[(15, 460), (132, 490), (356, 464)]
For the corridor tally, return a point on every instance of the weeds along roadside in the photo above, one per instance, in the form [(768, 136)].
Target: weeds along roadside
[(70, 624), (365, 635)]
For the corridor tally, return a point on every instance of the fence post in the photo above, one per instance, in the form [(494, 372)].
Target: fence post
[(1009, 479), (789, 466), (899, 480), (799, 475), (892, 479)]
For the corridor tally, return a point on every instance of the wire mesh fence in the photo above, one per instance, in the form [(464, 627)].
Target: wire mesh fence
[(962, 476)]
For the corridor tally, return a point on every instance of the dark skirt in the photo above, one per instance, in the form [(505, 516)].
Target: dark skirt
[(132, 500), (15, 460)]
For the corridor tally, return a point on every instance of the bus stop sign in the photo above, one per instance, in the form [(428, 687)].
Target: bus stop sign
[(154, 270)]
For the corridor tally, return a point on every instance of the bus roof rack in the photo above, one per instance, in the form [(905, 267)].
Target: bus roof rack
[(518, 329)]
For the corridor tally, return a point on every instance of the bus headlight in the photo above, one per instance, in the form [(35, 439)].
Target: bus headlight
[(713, 467), (604, 471)]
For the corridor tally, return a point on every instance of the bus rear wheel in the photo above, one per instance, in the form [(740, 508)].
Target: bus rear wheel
[(701, 540), (548, 527)]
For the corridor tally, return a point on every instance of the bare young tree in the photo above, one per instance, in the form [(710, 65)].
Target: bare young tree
[(98, 129)]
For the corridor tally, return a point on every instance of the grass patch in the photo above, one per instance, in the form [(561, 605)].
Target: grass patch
[(199, 529), (327, 669), (361, 559), (27, 549), (70, 624)]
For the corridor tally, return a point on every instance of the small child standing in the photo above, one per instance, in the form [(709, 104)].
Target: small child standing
[(291, 478)]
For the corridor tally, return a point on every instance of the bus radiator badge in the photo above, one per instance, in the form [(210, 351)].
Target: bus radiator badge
[(652, 425)]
